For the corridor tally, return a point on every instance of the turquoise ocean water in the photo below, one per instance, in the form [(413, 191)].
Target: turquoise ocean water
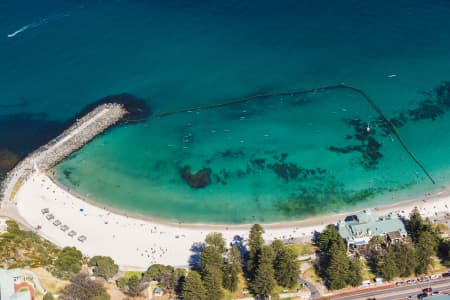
[(281, 158)]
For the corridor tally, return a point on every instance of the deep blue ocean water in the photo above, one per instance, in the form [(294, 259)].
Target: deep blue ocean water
[(269, 161)]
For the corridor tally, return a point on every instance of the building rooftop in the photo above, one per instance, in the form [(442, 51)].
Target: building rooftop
[(360, 228), (7, 290)]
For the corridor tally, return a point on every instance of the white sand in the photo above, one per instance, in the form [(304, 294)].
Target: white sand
[(129, 241), (135, 243)]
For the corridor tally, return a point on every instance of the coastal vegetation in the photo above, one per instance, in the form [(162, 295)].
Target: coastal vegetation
[(82, 287), (266, 267), (103, 266), (220, 271), (21, 248), (413, 256)]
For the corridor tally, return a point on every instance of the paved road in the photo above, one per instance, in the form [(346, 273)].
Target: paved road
[(401, 292), (314, 291)]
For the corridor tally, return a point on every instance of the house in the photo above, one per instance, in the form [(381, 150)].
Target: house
[(357, 230), (158, 292), (13, 285)]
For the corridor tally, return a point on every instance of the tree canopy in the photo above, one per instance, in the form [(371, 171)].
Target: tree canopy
[(232, 269), (69, 261), (135, 285), (286, 265), (81, 287), (193, 287), (264, 281), (215, 239), (255, 243), (104, 266)]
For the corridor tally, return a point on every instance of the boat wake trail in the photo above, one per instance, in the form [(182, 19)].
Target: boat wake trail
[(37, 24)]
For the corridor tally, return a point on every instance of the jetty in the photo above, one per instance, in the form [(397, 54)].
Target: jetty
[(70, 140)]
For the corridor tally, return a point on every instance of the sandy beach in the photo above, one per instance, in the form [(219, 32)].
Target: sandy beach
[(135, 243)]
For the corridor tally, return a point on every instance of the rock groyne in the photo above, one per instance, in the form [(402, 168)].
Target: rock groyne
[(76, 136)]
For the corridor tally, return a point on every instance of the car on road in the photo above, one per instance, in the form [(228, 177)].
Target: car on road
[(400, 283), (434, 276)]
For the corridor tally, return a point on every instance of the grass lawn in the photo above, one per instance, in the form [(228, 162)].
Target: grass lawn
[(303, 249), (366, 273), (311, 275), (48, 281)]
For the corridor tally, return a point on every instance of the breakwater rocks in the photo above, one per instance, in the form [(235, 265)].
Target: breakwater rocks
[(73, 138)]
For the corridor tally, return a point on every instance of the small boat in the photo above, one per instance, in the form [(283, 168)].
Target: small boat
[(391, 75)]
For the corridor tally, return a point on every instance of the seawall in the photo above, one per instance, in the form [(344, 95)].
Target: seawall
[(76, 136)]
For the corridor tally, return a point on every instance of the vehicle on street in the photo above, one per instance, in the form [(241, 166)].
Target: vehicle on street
[(400, 283), (434, 277)]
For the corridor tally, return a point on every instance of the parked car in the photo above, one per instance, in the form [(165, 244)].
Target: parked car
[(411, 281), (44, 211), (365, 283), (400, 283), (57, 222), (64, 228), (434, 276)]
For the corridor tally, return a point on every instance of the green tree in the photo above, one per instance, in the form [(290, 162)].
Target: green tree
[(122, 282), (48, 296), (104, 266), (425, 249), (216, 240), (264, 280), (211, 267), (232, 269), (355, 272), (135, 286), (286, 266), (387, 265), (82, 287), (328, 237), (338, 267), (255, 244), (416, 225), (210, 258), (161, 273), (405, 258), (444, 252), (213, 280), (193, 287), (69, 261), (177, 279)]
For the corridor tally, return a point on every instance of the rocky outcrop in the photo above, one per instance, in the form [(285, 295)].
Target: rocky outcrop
[(76, 136)]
